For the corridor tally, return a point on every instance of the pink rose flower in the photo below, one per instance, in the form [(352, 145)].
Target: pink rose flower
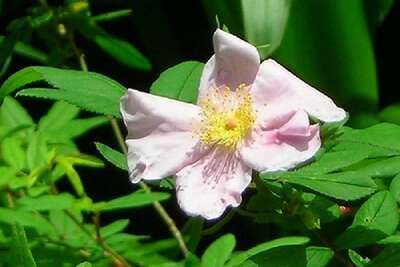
[(249, 115)]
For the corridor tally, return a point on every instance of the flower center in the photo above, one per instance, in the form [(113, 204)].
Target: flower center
[(227, 116)]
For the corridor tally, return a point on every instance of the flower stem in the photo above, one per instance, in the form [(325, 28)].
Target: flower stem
[(117, 132), (157, 206)]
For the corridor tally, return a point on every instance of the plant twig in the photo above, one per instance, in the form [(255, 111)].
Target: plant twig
[(217, 226), (114, 255), (117, 132), (157, 206), (337, 253)]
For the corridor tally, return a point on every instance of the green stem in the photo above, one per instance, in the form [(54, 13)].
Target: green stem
[(114, 255), (157, 206), (117, 132), (217, 226)]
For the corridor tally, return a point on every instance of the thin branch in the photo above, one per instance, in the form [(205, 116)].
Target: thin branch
[(117, 132), (157, 206), (217, 226), (114, 255), (337, 253)]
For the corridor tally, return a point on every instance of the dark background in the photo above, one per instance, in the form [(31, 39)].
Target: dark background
[(169, 32)]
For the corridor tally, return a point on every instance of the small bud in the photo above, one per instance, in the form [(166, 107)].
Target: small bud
[(62, 30)]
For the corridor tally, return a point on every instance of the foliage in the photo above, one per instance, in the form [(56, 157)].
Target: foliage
[(341, 209)]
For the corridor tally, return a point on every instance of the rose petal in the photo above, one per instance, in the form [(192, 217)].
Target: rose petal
[(283, 148), (160, 139), (235, 62), (276, 84), (143, 113), (210, 185)]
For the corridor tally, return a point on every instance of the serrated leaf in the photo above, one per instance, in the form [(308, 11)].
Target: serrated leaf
[(180, 82), (76, 128), (120, 50), (376, 219), (46, 202), (357, 259), (27, 219), (113, 156), (72, 175), (36, 152), (134, 200), (241, 257), (113, 228), (333, 161), (21, 253), (318, 256), (389, 257), (380, 140), (395, 188), (82, 160), (384, 168), (13, 152), (278, 257), (58, 116), (219, 251), (113, 15), (14, 115), (87, 90), (344, 185)]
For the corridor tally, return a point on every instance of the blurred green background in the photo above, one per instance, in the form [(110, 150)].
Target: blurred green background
[(346, 48)]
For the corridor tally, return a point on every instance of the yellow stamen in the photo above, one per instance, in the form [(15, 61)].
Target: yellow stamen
[(227, 116)]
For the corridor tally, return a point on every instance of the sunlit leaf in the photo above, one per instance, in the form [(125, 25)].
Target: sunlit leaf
[(219, 251), (376, 219), (180, 82)]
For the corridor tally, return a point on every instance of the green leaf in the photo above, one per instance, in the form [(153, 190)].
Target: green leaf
[(219, 251), (193, 230), (380, 140), (84, 264), (395, 188), (390, 113), (37, 151), (113, 228), (325, 209), (180, 82), (134, 200), (21, 253), (13, 153), (318, 256), (120, 50), (76, 128), (357, 259), (264, 22), (381, 169), (58, 116), (113, 15), (116, 158), (345, 185), (87, 90), (328, 33), (241, 257), (333, 161), (46, 202), (376, 11), (82, 160), (72, 175), (376, 219), (279, 257), (389, 257), (7, 174), (13, 114), (27, 219)]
